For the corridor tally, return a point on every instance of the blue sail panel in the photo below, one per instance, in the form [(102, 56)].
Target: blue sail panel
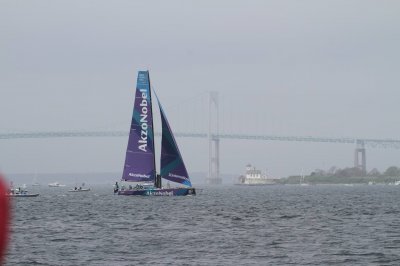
[(172, 166), (139, 161)]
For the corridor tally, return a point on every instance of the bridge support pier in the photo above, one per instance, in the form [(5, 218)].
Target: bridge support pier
[(360, 159), (213, 141)]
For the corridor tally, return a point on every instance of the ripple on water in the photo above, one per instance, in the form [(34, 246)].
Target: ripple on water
[(227, 225)]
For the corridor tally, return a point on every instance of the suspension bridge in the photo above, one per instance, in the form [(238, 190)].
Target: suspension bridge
[(214, 137), (372, 143)]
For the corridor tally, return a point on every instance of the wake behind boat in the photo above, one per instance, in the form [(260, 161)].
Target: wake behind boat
[(140, 166)]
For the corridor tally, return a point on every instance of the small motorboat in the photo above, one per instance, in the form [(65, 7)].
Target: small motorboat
[(20, 193), (79, 189)]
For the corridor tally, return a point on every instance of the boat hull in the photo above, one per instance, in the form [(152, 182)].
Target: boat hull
[(22, 195), (50, 185), (159, 192), (79, 190)]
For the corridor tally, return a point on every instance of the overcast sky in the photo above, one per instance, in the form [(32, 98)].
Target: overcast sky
[(319, 68)]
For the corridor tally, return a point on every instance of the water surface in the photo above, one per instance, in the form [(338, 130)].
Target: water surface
[(226, 225)]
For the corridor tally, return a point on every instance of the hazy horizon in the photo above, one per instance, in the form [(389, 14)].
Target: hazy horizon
[(309, 68)]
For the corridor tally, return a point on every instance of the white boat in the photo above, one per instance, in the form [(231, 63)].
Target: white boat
[(396, 183), (254, 177), (80, 189), (56, 184), (35, 182), (20, 193)]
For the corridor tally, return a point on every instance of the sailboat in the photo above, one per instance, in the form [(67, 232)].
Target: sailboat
[(140, 163), (302, 179), (35, 182)]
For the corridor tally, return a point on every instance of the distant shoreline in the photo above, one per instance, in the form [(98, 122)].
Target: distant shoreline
[(339, 180)]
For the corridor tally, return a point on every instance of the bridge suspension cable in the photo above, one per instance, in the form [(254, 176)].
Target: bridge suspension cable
[(370, 142)]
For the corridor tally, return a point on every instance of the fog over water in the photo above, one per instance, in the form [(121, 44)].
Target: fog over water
[(298, 68)]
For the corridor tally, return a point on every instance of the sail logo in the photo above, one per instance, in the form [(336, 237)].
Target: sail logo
[(142, 142), (176, 176), (159, 193), (139, 175)]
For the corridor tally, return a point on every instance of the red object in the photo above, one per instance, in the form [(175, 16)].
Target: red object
[(4, 216)]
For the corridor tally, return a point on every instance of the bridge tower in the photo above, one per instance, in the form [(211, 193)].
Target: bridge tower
[(360, 159), (213, 140)]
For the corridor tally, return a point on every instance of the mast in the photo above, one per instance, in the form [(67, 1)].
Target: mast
[(152, 126)]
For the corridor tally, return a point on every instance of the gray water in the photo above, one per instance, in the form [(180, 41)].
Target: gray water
[(227, 225)]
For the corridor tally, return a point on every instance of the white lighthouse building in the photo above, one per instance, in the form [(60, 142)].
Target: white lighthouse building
[(255, 177)]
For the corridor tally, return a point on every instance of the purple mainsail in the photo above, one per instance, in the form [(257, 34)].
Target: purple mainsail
[(172, 165), (139, 161)]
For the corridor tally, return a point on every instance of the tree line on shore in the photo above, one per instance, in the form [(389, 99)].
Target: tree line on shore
[(336, 175)]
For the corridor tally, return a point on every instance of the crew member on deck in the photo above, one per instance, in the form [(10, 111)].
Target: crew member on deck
[(116, 187)]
